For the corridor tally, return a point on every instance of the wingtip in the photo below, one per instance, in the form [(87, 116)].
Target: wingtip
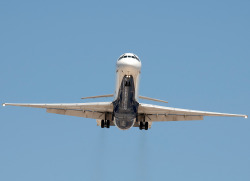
[(246, 116), (3, 104)]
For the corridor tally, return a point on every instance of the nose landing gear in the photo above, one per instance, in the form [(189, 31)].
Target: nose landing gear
[(105, 123), (143, 125)]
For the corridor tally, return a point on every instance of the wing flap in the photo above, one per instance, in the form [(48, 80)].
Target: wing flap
[(78, 113), (150, 118)]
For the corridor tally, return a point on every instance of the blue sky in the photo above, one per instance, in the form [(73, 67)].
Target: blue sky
[(195, 54)]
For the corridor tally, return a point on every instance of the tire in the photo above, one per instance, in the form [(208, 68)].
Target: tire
[(146, 126), (108, 123), (102, 124), (140, 125)]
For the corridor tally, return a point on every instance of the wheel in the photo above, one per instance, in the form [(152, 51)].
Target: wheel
[(141, 125), (108, 123), (102, 124), (146, 126)]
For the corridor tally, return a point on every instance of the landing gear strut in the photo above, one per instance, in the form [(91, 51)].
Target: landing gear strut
[(105, 123), (143, 125)]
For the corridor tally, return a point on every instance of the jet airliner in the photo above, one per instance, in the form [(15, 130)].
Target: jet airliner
[(125, 111)]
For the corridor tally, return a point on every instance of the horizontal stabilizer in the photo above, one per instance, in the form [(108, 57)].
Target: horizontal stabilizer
[(151, 99), (93, 97), (111, 95)]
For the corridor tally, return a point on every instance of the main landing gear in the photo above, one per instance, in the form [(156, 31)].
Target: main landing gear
[(105, 123), (143, 125)]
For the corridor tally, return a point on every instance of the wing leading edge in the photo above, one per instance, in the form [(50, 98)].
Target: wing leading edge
[(161, 113)]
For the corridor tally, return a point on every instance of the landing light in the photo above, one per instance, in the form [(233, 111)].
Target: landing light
[(246, 116), (4, 104)]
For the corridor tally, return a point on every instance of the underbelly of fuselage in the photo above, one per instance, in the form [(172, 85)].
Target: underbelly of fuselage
[(125, 106), (124, 121)]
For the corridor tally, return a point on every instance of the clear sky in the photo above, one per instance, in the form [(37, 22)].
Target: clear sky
[(195, 54)]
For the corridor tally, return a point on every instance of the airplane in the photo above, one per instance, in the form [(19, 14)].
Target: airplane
[(125, 111)]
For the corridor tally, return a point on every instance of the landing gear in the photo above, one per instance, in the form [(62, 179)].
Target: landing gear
[(102, 123), (105, 123), (143, 125), (146, 126)]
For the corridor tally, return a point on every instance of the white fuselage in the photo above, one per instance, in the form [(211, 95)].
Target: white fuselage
[(125, 104), (128, 66)]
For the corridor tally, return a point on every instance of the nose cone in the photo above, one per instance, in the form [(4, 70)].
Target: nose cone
[(129, 64)]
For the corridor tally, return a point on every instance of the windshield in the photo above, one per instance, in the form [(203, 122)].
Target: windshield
[(129, 56)]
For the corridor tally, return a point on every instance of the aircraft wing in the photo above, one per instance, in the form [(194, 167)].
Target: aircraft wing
[(95, 110), (161, 113)]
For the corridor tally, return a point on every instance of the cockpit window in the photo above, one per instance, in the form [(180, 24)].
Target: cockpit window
[(129, 56), (136, 58)]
